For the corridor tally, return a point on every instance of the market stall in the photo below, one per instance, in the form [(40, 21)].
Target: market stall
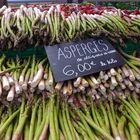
[(69, 72)]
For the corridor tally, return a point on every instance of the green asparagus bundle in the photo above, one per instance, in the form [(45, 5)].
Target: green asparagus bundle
[(35, 26), (78, 117)]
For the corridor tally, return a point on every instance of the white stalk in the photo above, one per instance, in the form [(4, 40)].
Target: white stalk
[(97, 96), (84, 83), (106, 77), (50, 78), (91, 83), (126, 82), (37, 77), (119, 71), (137, 84), (69, 87), (112, 87), (122, 85), (113, 72), (11, 80), (45, 76), (137, 90), (118, 138), (93, 97), (41, 85), (3, 9), (119, 77), (137, 75), (113, 81), (11, 94), (81, 87), (126, 73), (24, 86), (21, 79), (18, 88), (77, 82), (65, 91), (5, 83), (59, 86), (130, 85), (131, 75), (103, 89), (94, 81), (101, 75), (109, 74)]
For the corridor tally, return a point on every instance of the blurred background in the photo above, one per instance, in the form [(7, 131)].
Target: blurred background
[(122, 4)]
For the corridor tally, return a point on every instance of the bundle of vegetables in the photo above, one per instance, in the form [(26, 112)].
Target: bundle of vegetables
[(81, 118), (34, 75), (24, 26)]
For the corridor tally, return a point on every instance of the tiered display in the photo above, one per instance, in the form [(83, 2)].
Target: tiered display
[(102, 106), (25, 26)]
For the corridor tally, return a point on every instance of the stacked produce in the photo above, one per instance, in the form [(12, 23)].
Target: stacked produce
[(33, 26), (34, 75), (80, 118), (101, 106)]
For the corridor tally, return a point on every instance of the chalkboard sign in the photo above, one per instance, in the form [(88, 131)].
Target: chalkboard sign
[(80, 58)]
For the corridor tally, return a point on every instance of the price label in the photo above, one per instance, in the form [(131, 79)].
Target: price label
[(81, 58)]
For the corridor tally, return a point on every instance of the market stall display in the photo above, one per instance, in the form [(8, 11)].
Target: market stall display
[(101, 106), (46, 26)]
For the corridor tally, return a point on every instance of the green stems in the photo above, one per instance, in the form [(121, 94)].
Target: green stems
[(18, 133), (32, 124), (8, 122)]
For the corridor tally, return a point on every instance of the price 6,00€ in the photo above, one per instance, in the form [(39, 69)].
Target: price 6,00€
[(81, 68)]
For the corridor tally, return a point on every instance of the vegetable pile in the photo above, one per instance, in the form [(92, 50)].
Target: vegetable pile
[(101, 106), (39, 26), (34, 76), (55, 118)]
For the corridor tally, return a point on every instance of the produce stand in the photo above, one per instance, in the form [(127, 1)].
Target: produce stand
[(69, 72)]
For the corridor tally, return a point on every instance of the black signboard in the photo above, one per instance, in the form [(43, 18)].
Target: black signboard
[(76, 59)]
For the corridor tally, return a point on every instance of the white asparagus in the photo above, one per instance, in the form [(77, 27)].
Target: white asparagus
[(77, 81), (96, 83), (18, 88), (113, 81), (11, 94), (58, 86), (37, 77), (119, 77), (131, 75), (69, 87), (84, 82), (81, 87), (5, 83), (41, 85), (125, 71), (113, 72), (21, 79), (11, 80)]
